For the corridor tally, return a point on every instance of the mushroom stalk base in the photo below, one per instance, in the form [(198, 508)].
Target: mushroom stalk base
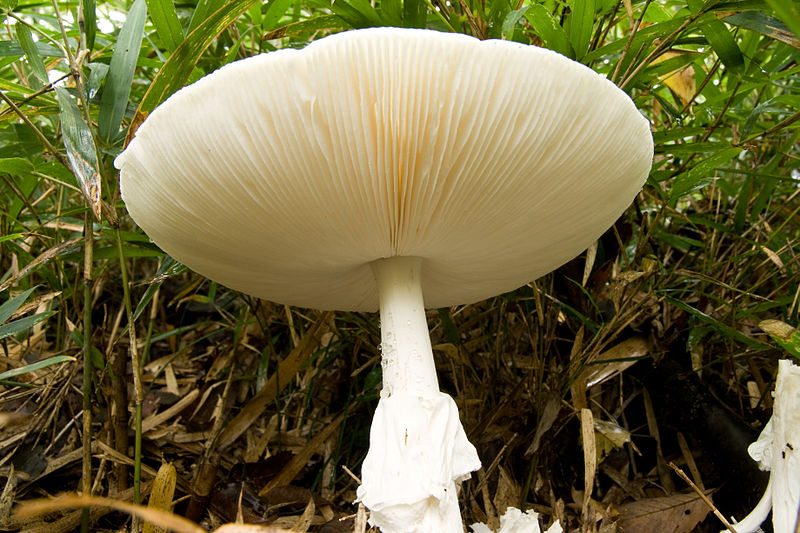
[(419, 452)]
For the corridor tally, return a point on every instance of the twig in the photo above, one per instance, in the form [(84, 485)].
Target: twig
[(703, 497), (138, 391), (88, 259), (630, 42), (351, 474)]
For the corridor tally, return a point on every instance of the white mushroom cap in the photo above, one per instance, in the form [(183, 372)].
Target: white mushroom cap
[(286, 174)]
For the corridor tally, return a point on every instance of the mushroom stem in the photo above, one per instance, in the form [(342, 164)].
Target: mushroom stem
[(418, 453), (407, 359)]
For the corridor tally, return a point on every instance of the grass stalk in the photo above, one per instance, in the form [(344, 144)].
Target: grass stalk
[(138, 391), (88, 259)]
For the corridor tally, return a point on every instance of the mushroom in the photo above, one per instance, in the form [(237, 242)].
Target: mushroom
[(777, 449), (378, 166)]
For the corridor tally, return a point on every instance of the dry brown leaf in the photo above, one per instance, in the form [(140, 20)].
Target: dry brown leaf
[(304, 522), (591, 254), (679, 513), (300, 460), (589, 455), (615, 360), (508, 493), (552, 407), (287, 368), (361, 519), (41, 259), (8, 496), (609, 436)]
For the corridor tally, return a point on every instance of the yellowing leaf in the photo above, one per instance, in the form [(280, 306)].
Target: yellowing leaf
[(681, 81), (161, 495), (609, 436)]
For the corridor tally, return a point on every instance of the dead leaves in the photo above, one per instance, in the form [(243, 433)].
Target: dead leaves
[(678, 513)]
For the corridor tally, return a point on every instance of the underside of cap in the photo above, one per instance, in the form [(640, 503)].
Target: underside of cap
[(286, 174)]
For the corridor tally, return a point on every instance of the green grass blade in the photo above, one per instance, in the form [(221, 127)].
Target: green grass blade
[(15, 166), (789, 12), (580, 24), (415, 13), (325, 22), (357, 13), (765, 25), (165, 20), (38, 365), (12, 48), (23, 324), (719, 327), (204, 9), (549, 31), (275, 11), (114, 101), (9, 307), (32, 55), (701, 175), (89, 10), (723, 44)]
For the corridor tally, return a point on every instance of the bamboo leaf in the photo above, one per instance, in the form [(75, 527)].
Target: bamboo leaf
[(549, 31), (765, 25), (275, 11), (357, 13), (9, 307), (580, 24), (15, 166), (12, 48), (701, 175), (415, 13), (120, 74), (723, 44), (789, 12), (38, 365), (23, 324), (81, 150), (325, 22), (90, 21), (165, 19), (32, 55), (204, 9), (511, 21)]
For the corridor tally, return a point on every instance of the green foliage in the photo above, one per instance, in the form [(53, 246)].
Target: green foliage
[(114, 101), (20, 325)]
